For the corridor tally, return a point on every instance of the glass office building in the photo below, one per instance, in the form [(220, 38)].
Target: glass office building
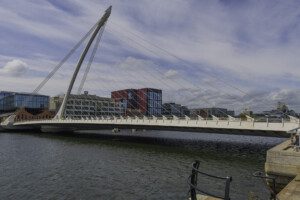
[(2, 95), (150, 101), (11, 101)]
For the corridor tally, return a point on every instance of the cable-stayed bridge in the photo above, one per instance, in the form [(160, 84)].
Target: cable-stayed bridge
[(63, 122)]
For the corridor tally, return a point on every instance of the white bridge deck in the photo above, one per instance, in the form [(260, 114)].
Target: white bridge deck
[(235, 126)]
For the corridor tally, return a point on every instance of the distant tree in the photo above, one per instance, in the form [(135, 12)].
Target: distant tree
[(282, 107)]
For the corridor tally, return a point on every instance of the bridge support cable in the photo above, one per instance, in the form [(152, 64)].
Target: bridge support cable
[(71, 52), (153, 52), (96, 45), (145, 78), (176, 82), (164, 82), (128, 76), (134, 103), (117, 86), (132, 74), (57, 67), (218, 79), (101, 23), (115, 83), (180, 59)]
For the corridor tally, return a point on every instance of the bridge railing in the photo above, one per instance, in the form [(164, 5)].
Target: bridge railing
[(194, 188), (183, 118), (235, 123)]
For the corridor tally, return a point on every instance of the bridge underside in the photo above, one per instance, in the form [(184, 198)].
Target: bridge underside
[(58, 127)]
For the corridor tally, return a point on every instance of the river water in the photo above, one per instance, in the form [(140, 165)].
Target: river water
[(143, 165)]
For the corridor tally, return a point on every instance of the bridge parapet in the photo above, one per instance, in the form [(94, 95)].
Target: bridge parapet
[(294, 119), (163, 123)]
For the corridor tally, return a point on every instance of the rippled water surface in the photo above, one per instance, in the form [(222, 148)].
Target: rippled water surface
[(93, 166)]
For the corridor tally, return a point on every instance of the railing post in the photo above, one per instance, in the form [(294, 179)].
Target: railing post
[(194, 178), (227, 188), (273, 194)]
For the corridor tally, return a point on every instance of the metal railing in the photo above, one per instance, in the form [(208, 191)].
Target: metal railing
[(193, 180), (271, 188)]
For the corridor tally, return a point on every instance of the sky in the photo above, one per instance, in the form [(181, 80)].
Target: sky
[(224, 53)]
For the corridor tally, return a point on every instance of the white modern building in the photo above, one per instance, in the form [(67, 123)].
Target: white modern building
[(86, 105)]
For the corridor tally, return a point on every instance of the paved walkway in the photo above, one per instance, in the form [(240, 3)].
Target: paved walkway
[(291, 191)]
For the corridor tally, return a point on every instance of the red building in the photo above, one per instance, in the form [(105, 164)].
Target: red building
[(127, 96), (147, 101)]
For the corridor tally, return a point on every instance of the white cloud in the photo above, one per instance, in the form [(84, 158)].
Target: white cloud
[(14, 68), (171, 73)]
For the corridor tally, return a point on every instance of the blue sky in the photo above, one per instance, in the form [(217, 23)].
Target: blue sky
[(224, 46)]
